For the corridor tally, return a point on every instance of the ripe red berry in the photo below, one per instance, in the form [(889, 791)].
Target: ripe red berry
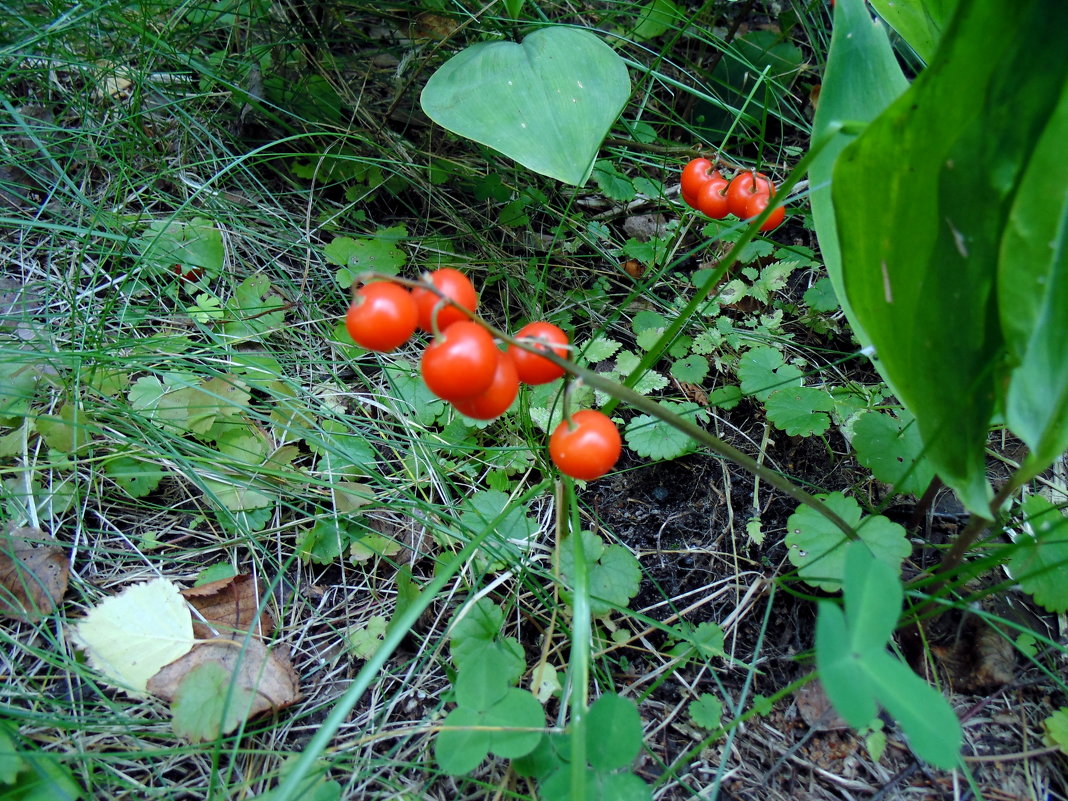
[(382, 316)]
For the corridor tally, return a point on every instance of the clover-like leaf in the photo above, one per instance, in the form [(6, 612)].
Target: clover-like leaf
[(614, 573), (476, 637), (508, 727)]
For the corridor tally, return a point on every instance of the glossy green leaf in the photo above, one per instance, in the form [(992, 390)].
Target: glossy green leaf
[(513, 7), (547, 102), (918, 22), (862, 78), (1033, 296), (919, 266)]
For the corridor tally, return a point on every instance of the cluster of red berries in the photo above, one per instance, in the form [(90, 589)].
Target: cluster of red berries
[(463, 365), (744, 196)]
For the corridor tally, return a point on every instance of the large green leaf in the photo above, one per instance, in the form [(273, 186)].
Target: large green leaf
[(547, 102), (921, 199), (862, 79), (918, 22), (1033, 296)]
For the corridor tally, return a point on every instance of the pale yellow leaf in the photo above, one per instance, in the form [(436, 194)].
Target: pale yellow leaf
[(130, 636)]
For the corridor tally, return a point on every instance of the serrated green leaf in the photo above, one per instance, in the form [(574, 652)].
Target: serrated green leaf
[(691, 369), (612, 183), (1039, 561), (800, 411), (650, 382), (725, 397), (414, 398), (706, 711), (652, 438), (599, 349), (253, 310), (893, 450), (136, 476), (762, 371), (772, 278), (817, 546), (196, 243), (820, 296), (325, 541), (63, 431), (1056, 728), (206, 706), (355, 256)]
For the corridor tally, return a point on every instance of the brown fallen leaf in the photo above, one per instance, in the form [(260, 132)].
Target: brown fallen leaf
[(267, 675), (816, 710), (228, 606), (33, 578)]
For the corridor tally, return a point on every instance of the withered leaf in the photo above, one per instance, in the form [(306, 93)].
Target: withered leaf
[(228, 606), (33, 578), (265, 676)]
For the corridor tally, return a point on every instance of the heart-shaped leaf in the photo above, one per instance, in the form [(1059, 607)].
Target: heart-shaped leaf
[(547, 102)]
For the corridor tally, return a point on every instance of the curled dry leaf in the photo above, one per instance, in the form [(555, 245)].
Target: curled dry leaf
[(264, 677), (816, 710), (33, 578), (228, 606)]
